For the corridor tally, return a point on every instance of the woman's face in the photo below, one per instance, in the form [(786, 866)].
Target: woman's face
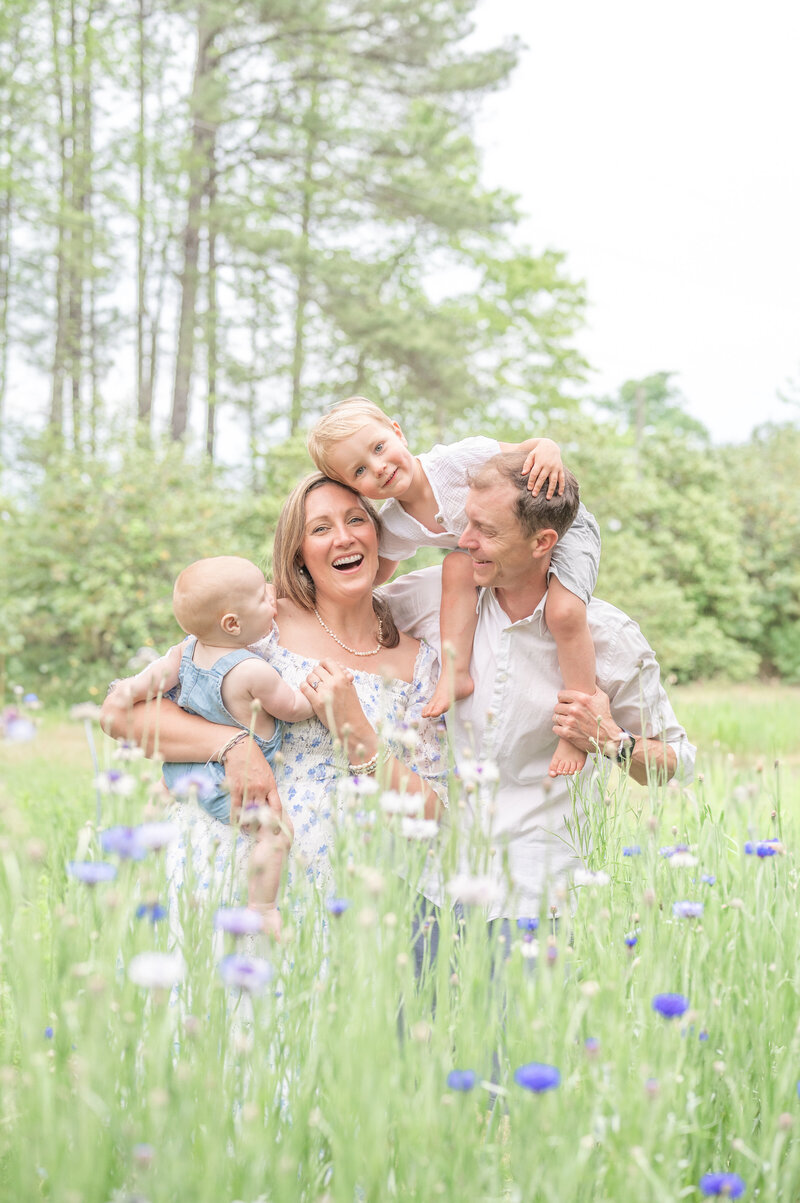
[(340, 544)]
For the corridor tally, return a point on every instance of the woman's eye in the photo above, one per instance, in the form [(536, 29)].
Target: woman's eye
[(318, 530), (357, 518)]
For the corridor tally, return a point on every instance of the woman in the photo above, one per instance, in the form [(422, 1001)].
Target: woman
[(337, 642)]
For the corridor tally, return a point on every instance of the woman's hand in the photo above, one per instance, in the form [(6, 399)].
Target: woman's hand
[(249, 778), (330, 690)]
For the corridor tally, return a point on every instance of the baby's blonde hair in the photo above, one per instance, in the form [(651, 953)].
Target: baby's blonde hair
[(338, 424), (209, 589)]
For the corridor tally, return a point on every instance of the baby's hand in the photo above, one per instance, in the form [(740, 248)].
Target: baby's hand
[(544, 465)]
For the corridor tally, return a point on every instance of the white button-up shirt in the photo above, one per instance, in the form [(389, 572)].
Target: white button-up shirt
[(508, 722)]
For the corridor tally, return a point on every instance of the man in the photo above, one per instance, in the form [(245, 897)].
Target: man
[(516, 713)]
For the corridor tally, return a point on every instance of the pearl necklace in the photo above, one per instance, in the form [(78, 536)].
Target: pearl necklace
[(351, 650)]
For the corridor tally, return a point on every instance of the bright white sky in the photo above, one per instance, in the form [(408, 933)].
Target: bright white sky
[(658, 145)]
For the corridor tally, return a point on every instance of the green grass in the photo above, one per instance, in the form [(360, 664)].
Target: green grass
[(334, 1085)]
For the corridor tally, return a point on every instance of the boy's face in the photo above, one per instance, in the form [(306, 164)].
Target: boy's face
[(256, 609), (375, 461)]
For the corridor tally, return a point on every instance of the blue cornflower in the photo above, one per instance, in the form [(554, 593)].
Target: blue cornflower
[(124, 841), (91, 872), (687, 910), (592, 1046), (246, 973), (153, 911), (632, 850), (528, 924), (461, 1079), (195, 783), (703, 1035), (337, 906), (671, 849), (48, 1033), (238, 921), (729, 1185), (537, 1077), (670, 1005), (708, 879), (762, 848), (631, 939)]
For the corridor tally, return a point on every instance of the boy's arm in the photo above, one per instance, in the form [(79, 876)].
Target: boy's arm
[(159, 677), (385, 570), (543, 464), (276, 696)]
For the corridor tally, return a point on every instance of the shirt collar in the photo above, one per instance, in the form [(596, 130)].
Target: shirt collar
[(488, 601)]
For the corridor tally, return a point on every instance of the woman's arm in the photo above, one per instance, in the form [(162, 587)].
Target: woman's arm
[(162, 729), (336, 704)]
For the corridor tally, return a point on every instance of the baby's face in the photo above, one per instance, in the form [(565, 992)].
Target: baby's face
[(375, 461), (256, 610)]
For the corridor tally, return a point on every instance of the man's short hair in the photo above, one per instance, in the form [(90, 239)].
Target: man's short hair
[(532, 513)]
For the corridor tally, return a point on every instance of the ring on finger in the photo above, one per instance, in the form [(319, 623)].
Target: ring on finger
[(315, 683)]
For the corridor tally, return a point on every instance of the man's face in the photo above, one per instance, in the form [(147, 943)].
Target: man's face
[(502, 555)]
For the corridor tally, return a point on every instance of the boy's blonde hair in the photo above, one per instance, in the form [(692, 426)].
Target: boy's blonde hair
[(339, 423)]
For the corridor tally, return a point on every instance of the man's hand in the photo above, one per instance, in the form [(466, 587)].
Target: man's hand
[(543, 465), (584, 719), (248, 774)]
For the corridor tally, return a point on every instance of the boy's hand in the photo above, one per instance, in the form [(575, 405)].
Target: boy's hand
[(544, 465)]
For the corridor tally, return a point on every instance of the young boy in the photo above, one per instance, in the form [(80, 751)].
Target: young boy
[(358, 444), (224, 604)]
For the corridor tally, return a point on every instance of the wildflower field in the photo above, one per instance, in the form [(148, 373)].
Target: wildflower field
[(645, 1048)]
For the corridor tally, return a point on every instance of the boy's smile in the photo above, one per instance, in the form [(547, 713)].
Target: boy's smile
[(375, 461)]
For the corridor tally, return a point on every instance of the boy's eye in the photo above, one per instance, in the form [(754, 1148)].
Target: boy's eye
[(379, 447)]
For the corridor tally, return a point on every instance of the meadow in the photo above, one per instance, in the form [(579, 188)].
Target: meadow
[(628, 1053)]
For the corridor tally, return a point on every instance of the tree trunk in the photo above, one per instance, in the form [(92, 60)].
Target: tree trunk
[(201, 141), (303, 274), (144, 398), (212, 316)]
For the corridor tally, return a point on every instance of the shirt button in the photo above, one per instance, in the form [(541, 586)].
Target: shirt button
[(440, 519)]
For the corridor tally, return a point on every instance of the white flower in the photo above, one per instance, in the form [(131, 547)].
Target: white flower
[(479, 772), (402, 733), (156, 970), (586, 877), (349, 789), (472, 890), (141, 659), (419, 829), (84, 710), (128, 751), (682, 860), (396, 803), (157, 835), (112, 782)]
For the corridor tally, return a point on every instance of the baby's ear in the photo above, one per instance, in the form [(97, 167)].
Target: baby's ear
[(230, 624)]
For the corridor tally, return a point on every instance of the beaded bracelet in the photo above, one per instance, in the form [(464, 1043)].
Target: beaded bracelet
[(366, 769), (226, 747)]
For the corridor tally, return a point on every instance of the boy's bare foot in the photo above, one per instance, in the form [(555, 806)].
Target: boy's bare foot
[(567, 759), (442, 698)]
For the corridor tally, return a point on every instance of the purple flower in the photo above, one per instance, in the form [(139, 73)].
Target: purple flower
[(124, 841), (48, 1033), (592, 1046), (238, 921), (245, 973), (153, 911), (763, 848), (631, 939), (194, 784), (537, 1077), (729, 1185), (461, 1079), (671, 849), (633, 850), (708, 879), (687, 910), (670, 1005), (337, 906), (18, 730), (528, 924), (92, 872)]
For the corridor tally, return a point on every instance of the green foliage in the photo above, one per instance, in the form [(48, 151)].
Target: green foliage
[(90, 558)]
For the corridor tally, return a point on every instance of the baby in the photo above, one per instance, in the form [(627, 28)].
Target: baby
[(225, 604), (359, 445)]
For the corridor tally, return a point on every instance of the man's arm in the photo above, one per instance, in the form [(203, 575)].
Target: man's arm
[(631, 698), (587, 722)]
